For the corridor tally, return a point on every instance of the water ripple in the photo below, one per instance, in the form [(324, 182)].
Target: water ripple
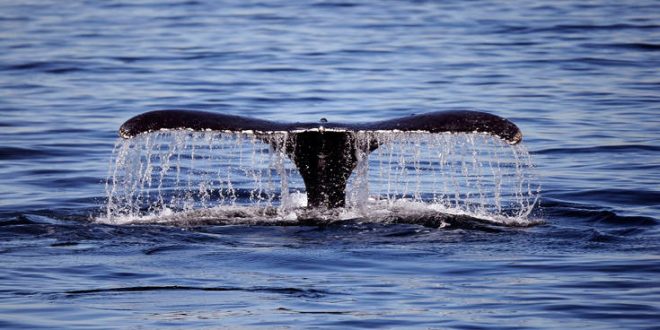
[(295, 292)]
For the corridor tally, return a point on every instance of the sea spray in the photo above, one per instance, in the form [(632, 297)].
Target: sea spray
[(241, 177), (473, 172)]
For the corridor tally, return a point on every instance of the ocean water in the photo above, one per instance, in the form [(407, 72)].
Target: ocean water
[(579, 78)]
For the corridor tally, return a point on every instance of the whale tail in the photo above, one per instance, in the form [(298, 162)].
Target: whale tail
[(324, 153)]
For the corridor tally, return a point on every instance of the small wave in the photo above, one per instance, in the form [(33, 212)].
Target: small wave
[(337, 4), (593, 214), (578, 63), (27, 153), (296, 292), (573, 28), (621, 196), (54, 67), (598, 149), (638, 46), (279, 70)]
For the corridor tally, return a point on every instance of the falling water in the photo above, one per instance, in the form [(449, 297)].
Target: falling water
[(236, 177)]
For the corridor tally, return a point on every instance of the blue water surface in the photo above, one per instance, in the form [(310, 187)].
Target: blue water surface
[(581, 80)]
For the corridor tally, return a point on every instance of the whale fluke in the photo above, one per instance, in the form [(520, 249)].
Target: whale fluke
[(458, 121), (325, 152)]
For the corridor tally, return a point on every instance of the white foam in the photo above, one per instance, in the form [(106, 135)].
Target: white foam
[(375, 211)]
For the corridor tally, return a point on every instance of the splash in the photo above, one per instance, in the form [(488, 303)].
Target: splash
[(184, 177)]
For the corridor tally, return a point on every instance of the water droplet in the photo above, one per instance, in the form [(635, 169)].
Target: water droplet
[(163, 173)]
